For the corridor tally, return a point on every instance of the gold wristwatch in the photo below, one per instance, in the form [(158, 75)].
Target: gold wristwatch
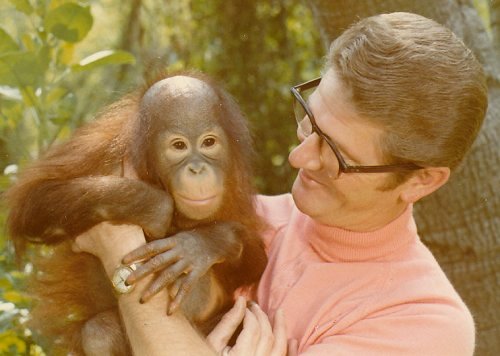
[(120, 276)]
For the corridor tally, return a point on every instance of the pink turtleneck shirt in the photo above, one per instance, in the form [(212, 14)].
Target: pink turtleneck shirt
[(359, 293)]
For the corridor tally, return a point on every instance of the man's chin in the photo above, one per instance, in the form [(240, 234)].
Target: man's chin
[(297, 191), (301, 191), (302, 198), (312, 202)]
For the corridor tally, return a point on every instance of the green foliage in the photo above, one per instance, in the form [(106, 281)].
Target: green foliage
[(38, 100), (38, 72), (61, 61), (69, 22), (23, 6)]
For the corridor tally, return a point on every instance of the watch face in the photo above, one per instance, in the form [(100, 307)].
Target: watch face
[(119, 277)]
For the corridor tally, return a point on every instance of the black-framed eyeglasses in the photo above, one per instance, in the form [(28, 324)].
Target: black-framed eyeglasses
[(307, 125)]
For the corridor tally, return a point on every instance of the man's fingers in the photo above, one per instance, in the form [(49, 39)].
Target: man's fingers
[(257, 338), (247, 341), (148, 250), (279, 332), (266, 339), (221, 334)]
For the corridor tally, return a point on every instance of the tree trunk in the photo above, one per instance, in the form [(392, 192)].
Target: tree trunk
[(495, 24), (460, 222)]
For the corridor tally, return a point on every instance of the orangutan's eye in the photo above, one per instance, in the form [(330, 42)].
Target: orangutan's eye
[(208, 142), (179, 145)]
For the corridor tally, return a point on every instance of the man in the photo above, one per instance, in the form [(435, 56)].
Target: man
[(399, 104)]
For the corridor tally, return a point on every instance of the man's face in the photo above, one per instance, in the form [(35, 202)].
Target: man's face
[(352, 201)]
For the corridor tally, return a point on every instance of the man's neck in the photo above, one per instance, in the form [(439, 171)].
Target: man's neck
[(368, 221)]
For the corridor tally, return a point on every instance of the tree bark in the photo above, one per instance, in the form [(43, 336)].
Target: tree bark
[(495, 24), (130, 37), (460, 222)]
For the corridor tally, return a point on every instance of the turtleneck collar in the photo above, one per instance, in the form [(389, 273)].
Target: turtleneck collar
[(334, 244)]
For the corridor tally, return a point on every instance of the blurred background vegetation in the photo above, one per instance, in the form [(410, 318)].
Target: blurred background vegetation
[(61, 61)]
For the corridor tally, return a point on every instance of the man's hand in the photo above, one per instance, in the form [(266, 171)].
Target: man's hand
[(257, 338)]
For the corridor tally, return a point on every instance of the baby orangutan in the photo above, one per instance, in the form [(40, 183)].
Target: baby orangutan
[(190, 147)]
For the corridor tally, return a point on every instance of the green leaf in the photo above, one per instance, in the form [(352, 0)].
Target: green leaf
[(69, 22), (23, 6), (103, 58), (7, 44), (20, 69)]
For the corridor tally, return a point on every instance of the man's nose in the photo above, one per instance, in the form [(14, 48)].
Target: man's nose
[(307, 154)]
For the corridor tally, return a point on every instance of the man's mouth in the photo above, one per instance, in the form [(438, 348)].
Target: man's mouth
[(308, 179)]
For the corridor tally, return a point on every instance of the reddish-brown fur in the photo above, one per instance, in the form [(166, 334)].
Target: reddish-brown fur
[(72, 288)]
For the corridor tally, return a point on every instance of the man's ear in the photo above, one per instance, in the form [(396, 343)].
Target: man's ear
[(424, 182)]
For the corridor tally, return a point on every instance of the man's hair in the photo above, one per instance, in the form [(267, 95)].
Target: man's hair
[(414, 78)]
